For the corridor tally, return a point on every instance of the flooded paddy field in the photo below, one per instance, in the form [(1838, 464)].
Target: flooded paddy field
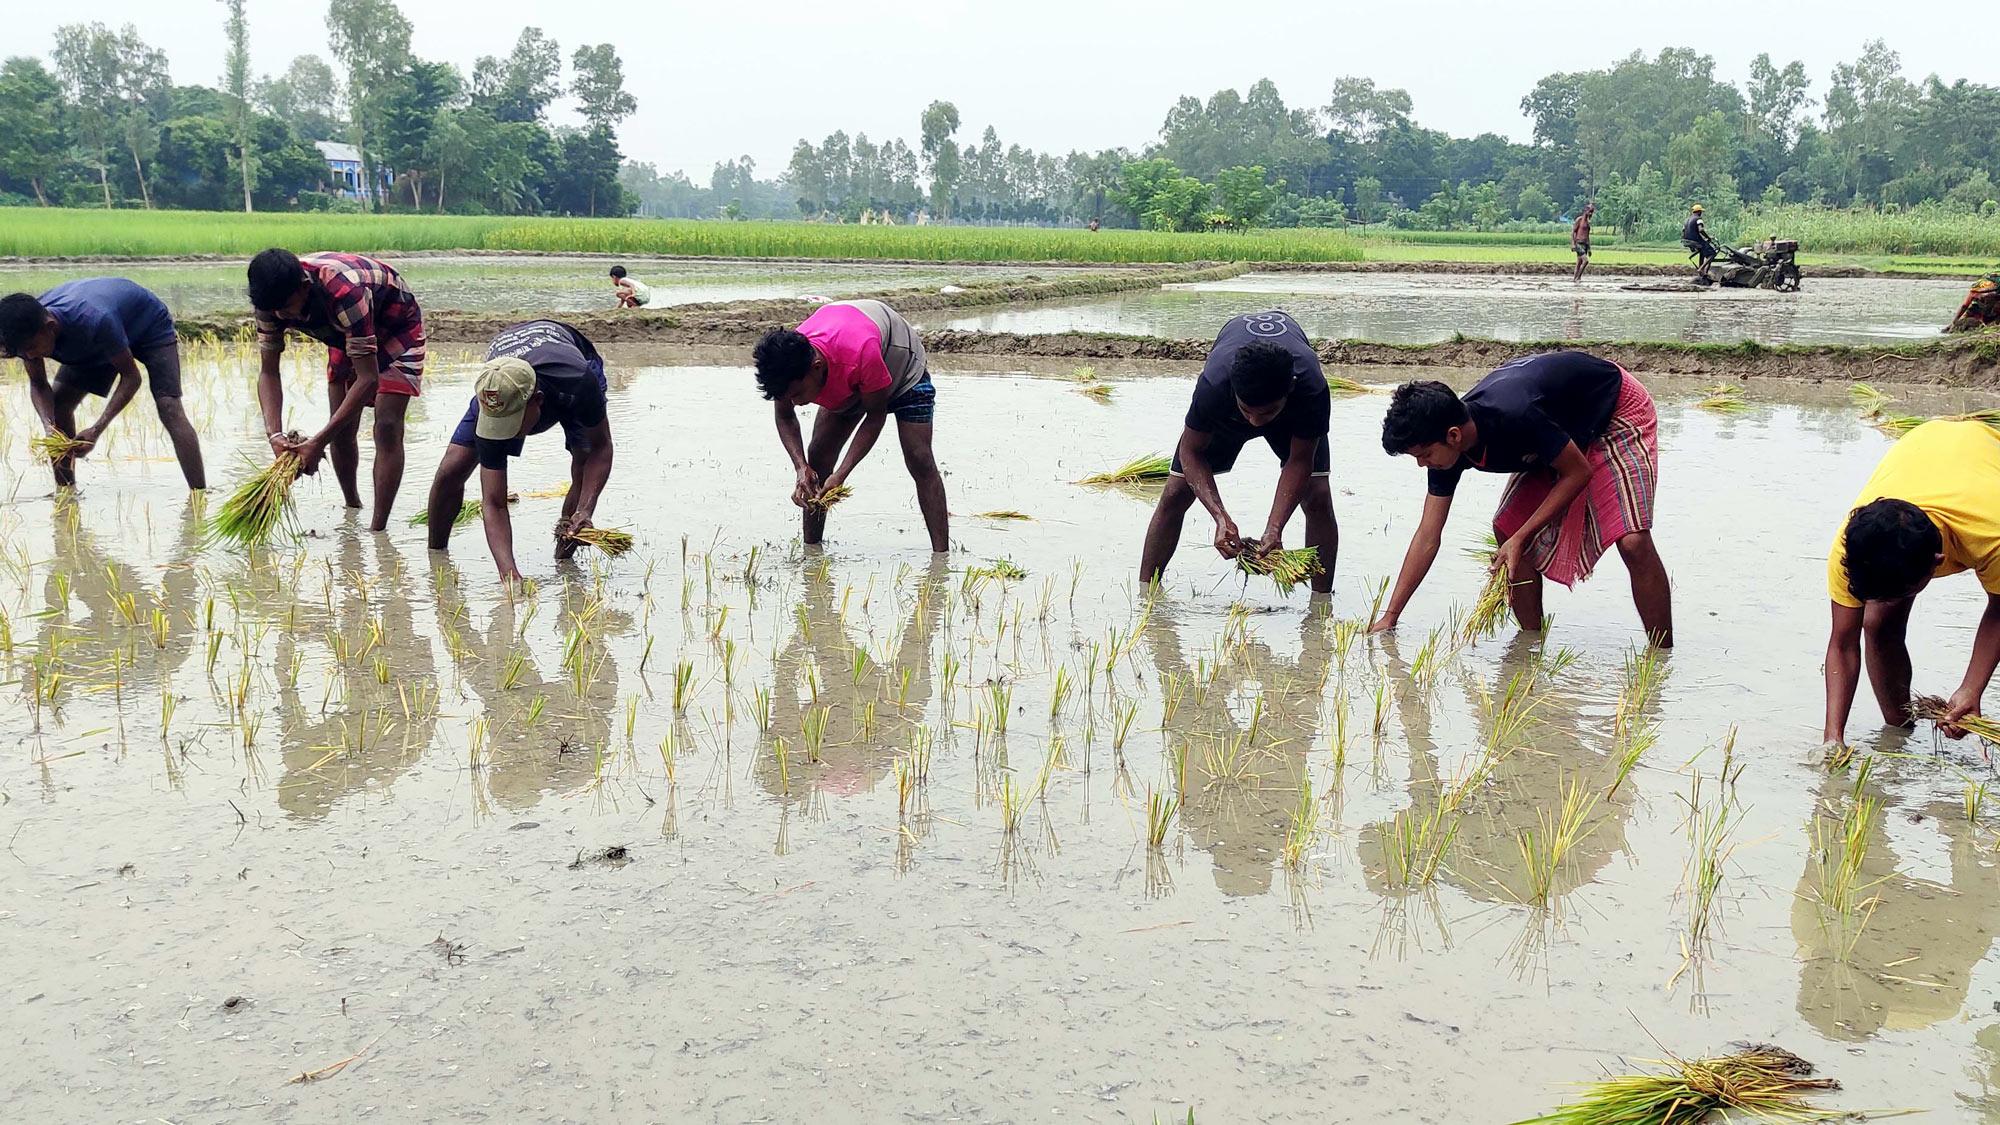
[(729, 830), (486, 283), (1420, 308)]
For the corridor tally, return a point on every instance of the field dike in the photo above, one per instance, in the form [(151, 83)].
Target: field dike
[(1956, 361)]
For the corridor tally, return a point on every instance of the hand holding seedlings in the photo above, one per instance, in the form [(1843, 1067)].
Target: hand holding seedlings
[(1228, 542), (567, 529), (807, 488)]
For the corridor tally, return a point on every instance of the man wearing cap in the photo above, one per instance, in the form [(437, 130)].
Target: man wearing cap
[(1694, 236), (538, 375)]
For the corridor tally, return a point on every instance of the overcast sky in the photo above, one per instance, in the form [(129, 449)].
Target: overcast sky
[(716, 80)]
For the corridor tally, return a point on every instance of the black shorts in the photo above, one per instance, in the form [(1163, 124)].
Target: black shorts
[(1222, 451), (163, 373)]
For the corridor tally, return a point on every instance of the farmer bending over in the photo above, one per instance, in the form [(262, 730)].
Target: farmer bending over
[(1981, 307), (537, 376), (1931, 509), (1262, 380), (1579, 436), (100, 330), (374, 336), (859, 362)]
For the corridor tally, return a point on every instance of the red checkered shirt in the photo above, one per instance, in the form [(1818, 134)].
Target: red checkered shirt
[(354, 302)]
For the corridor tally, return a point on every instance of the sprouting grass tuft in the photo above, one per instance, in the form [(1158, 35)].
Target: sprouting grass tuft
[(610, 540), (1760, 1082), (1287, 568), (1138, 469), (258, 505)]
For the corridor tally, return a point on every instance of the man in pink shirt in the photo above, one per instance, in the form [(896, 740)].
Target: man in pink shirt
[(859, 362)]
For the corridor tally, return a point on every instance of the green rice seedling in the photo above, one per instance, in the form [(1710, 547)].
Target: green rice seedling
[(1001, 696), (1489, 609), (1375, 599), (1644, 673), (515, 669), (683, 684), (467, 512), (381, 669), (920, 752), (1098, 391), (1135, 471), (1304, 826), (760, 708), (1723, 398), (857, 659), (610, 540), (1546, 851), (813, 727), (1003, 514), (829, 497), (631, 715), (1013, 802), (167, 708), (1059, 694), (1340, 733), (1178, 760), (1711, 825), (778, 750), (1511, 716), (159, 630), (1868, 400), (1975, 800), (535, 707), (1227, 760), (1287, 569), (1416, 844), (1380, 726), (1341, 385), (1760, 1083), (906, 788), (1160, 809), (1127, 714), (54, 448), (1935, 708), (1428, 662), (1001, 570), (866, 723), (1841, 859), (255, 509)]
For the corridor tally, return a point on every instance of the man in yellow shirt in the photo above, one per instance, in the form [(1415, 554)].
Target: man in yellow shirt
[(1931, 509)]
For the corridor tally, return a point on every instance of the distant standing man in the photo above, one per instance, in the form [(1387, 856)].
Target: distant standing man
[(1262, 380), (1579, 240), (1694, 236), (100, 331), (538, 375), (859, 362), (1931, 509), (631, 292), (373, 330)]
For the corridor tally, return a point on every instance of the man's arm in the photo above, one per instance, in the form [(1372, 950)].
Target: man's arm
[(271, 398), (589, 470), (1572, 476), (1843, 670), (1417, 560), (499, 524), (360, 393), (1292, 480), (41, 394), (1979, 673), (794, 442), (121, 397), (876, 406), (1195, 470)]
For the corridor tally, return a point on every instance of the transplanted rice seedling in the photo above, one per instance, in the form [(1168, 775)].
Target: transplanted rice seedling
[(610, 540), (1160, 809), (1760, 1082), (1723, 398), (1304, 826), (1286, 568), (258, 505), (1415, 846), (1711, 824), (1839, 860), (1138, 469), (829, 497), (1546, 852)]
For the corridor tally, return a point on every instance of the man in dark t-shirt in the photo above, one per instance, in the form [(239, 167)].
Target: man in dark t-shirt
[(100, 331), (538, 375), (1579, 240), (1262, 380)]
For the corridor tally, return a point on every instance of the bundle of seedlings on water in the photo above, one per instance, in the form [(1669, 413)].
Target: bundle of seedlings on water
[(1342, 385), (258, 505), (1760, 1082), (1935, 709), (1099, 391), (1724, 398), (829, 497), (54, 448), (1867, 399), (1897, 425), (1004, 570), (467, 512), (1287, 568), (1135, 471), (1003, 514), (610, 540)]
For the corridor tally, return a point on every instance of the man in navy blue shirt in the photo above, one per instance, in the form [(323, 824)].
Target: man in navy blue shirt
[(538, 375), (1262, 380), (99, 330)]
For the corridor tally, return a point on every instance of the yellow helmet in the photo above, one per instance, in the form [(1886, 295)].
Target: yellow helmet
[(1697, 207)]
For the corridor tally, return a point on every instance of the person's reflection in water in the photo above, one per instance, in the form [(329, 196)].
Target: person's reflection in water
[(1907, 963), (355, 735), (1242, 785), (852, 759)]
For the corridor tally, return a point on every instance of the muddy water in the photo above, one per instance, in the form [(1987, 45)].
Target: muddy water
[(1424, 308), (553, 284), (479, 848)]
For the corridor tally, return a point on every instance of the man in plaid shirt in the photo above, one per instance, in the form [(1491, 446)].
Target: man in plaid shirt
[(373, 330)]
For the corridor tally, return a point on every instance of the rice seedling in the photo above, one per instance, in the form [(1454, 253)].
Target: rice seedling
[(54, 448), (1341, 385), (1867, 399), (1380, 724), (535, 707), (829, 497), (1000, 570), (516, 668), (683, 683), (1935, 708), (1287, 569), (1121, 726), (610, 540), (1975, 800), (1304, 826), (1416, 844), (1013, 802), (1059, 694), (467, 512), (1003, 514), (1098, 391), (1001, 697), (1711, 823), (1135, 471), (1723, 398), (1839, 861), (1160, 809), (813, 727), (779, 751), (669, 754), (1761, 1082), (1546, 852), (920, 752), (760, 708), (258, 505)]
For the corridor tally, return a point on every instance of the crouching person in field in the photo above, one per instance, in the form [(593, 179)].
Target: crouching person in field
[(538, 375), (858, 362), (100, 331), (1932, 509), (1580, 438), (1262, 380)]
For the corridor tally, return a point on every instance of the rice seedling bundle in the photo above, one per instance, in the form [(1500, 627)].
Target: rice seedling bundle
[(258, 505), (467, 512), (1724, 398), (1897, 425), (829, 497), (54, 448), (1341, 385), (1760, 1081), (1099, 391), (610, 540), (1138, 469), (1488, 610), (1286, 568), (1003, 514), (1935, 708), (1867, 399)]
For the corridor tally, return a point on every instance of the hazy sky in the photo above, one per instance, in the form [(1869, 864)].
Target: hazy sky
[(715, 80)]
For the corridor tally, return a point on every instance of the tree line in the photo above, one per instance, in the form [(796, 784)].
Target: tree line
[(100, 123), (1643, 137)]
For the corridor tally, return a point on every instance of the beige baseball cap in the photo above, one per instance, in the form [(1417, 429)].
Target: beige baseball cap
[(503, 389)]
